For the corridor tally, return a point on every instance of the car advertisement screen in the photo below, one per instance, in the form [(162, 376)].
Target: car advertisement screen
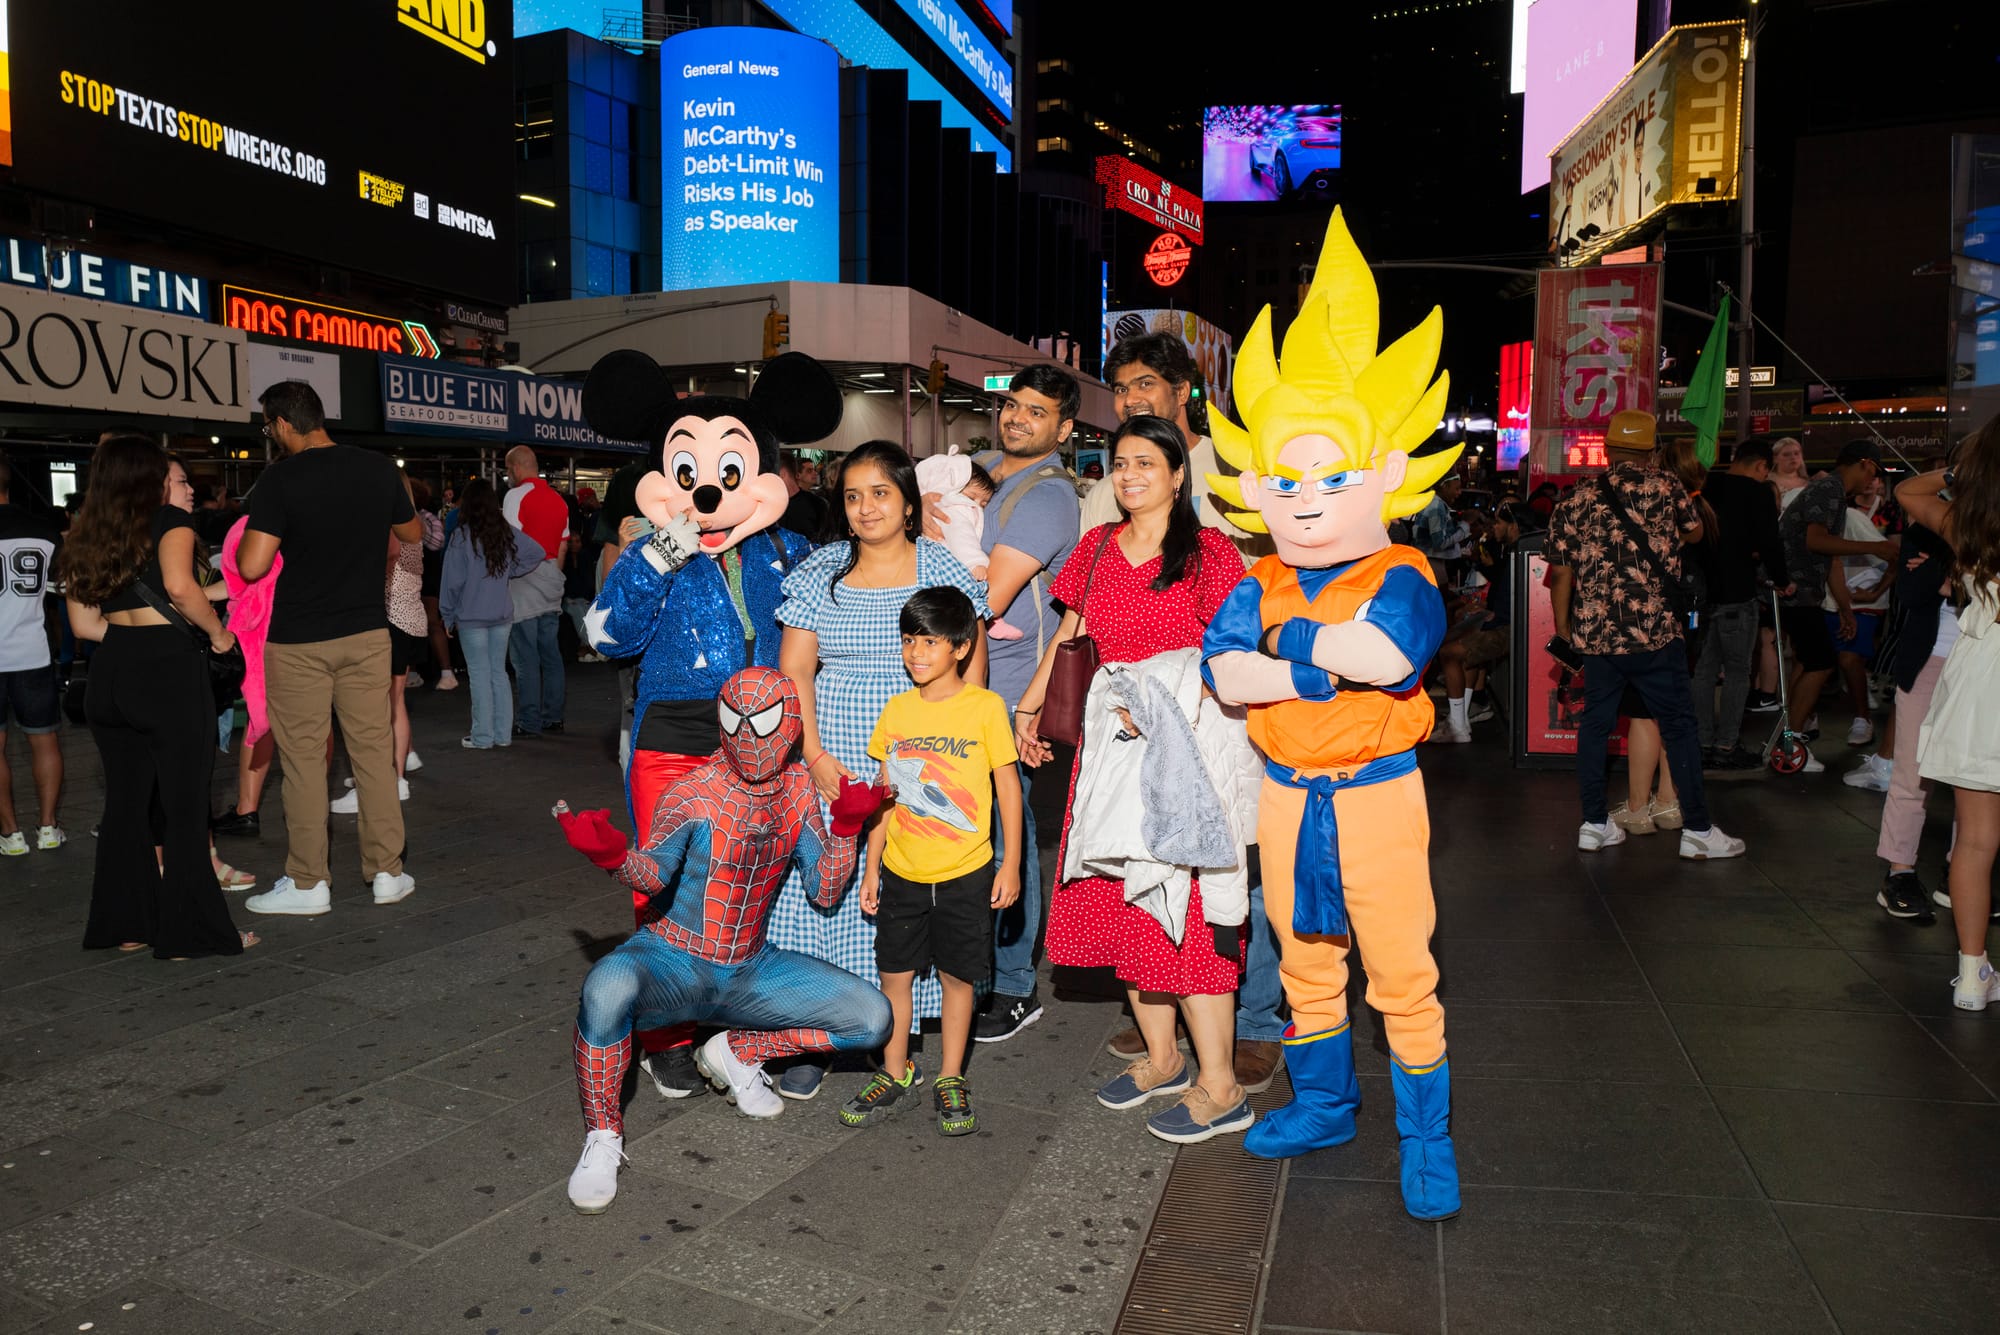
[(382, 143), (749, 158), (1270, 153), (1577, 51)]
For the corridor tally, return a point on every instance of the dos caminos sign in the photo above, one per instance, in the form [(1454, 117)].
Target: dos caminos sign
[(749, 158)]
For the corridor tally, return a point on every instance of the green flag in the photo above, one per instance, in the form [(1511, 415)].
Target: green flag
[(1706, 388)]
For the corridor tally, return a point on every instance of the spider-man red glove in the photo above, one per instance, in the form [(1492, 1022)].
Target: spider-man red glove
[(592, 834), (856, 803)]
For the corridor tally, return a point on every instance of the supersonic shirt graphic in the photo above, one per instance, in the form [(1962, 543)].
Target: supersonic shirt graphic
[(939, 756)]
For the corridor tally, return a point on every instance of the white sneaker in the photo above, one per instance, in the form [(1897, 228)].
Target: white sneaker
[(1480, 713), (1813, 765), (594, 1182), (447, 680), (1712, 843), (393, 889), (1590, 838), (1873, 773), (744, 1085), (1444, 732), (285, 896), (50, 836), (1972, 994), (14, 845), (403, 789), (1862, 733), (347, 804), (411, 764)]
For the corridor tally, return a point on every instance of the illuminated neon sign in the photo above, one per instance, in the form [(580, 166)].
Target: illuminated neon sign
[(1144, 194), (1166, 260), (306, 321)]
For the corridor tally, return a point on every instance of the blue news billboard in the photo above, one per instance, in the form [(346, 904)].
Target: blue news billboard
[(749, 158), (533, 16), (947, 25)]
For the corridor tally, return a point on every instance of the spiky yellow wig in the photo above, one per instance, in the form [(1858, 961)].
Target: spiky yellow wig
[(1334, 384)]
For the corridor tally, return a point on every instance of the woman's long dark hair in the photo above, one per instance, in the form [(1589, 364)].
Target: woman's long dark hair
[(1180, 550), (485, 527), (113, 536), (1975, 505), (897, 467)]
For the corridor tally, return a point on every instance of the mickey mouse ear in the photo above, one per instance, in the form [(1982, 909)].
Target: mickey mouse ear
[(799, 398), (625, 395)]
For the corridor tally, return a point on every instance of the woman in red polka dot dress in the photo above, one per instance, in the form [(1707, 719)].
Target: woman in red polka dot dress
[(1143, 587)]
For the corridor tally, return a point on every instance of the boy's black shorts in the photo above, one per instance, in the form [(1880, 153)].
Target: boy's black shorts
[(948, 924)]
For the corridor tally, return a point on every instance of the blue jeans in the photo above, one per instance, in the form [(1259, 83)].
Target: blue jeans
[(1016, 927), (1262, 990), (1660, 676), (536, 654), (486, 680)]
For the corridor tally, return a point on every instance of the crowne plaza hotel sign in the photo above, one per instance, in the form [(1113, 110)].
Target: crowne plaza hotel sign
[(69, 352)]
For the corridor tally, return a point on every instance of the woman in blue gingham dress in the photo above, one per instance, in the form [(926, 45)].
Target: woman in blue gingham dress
[(859, 651)]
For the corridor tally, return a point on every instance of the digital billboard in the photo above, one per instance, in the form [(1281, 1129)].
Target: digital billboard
[(584, 16), (6, 82), (749, 158), (1270, 153), (390, 153), (947, 25), (849, 29), (1577, 51)]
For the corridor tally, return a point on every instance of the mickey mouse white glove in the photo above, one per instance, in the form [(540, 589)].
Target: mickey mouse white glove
[(674, 545)]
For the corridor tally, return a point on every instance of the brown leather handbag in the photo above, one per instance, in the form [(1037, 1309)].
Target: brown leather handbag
[(1075, 664)]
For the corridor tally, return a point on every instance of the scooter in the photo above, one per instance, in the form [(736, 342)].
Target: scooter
[(1786, 751)]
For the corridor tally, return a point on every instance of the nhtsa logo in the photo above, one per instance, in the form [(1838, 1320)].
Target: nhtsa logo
[(465, 222), (457, 25)]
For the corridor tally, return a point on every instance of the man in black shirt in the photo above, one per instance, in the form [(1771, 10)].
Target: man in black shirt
[(1746, 520), (332, 508), (805, 513)]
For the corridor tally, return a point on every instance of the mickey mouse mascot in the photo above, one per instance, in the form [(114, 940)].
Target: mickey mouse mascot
[(696, 601)]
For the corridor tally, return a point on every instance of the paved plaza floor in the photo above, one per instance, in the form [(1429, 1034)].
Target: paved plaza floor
[(1730, 1097)]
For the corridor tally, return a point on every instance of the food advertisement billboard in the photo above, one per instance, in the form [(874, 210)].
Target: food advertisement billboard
[(749, 158), (389, 151), (1668, 134), (1270, 153), (1577, 51)]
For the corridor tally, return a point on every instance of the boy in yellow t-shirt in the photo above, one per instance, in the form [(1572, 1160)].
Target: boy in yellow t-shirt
[(946, 749)]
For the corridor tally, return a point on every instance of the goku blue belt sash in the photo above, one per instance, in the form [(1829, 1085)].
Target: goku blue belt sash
[(1319, 901)]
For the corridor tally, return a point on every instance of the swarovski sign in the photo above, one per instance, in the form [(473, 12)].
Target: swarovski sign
[(71, 353)]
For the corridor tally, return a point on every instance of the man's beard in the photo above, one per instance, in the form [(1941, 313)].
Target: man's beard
[(1033, 449)]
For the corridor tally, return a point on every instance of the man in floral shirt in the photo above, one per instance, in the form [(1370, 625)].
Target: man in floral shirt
[(1614, 606)]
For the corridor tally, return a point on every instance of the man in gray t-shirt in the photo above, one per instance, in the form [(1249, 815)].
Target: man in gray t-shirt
[(1031, 525)]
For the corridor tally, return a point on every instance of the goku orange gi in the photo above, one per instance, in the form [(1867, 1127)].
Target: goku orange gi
[(1326, 643)]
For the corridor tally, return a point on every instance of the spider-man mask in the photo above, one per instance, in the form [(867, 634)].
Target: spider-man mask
[(759, 712)]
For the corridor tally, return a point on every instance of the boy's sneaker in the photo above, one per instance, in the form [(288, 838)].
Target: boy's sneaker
[(954, 1105), (1709, 844), (879, 1097), (14, 845), (1007, 1016), (1862, 733), (1902, 896), (1142, 1081), (801, 1080), (1590, 838), (1197, 1117), (1971, 991), (1813, 765), (741, 1083), (1762, 702), (287, 896), (50, 837), (673, 1072), (594, 1181)]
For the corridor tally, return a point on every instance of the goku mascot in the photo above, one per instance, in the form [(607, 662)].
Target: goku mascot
[(1325, 643), (697, 600), (715, 850)]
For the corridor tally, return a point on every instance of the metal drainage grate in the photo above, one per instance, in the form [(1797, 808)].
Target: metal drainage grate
[(1201, 1269)]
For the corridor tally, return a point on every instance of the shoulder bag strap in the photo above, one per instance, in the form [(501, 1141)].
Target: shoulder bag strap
[(1637, 534), (166, 609)]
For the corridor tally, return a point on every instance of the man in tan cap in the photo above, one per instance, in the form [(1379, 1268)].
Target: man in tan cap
[(1614, 552)]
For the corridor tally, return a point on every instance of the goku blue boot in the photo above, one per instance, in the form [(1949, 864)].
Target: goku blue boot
[(1324, 1097), (1423, 1121)]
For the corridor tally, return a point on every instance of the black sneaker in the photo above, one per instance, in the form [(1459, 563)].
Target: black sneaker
[(879, 1097), (1903, 896), (520, 731), (1007, 1016), (244, 824), (1761, 702), (553, 727), (673, 1072), (1735, 758), (954, 1105), (1940, 896)]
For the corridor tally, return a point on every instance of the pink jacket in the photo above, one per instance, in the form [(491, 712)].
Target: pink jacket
[(250, 620)]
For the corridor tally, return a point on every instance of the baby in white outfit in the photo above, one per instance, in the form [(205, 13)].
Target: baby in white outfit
[(963, 490)]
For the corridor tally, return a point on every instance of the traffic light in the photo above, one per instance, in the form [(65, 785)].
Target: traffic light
[(777, 333), (934, 382)]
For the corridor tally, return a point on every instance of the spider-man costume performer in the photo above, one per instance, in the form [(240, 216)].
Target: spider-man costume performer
[(718, 846)]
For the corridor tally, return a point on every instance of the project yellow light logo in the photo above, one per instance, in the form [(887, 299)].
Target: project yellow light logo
[(458, 25), (381, 190)]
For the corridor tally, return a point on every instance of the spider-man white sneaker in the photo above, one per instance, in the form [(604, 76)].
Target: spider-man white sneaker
[(742, 1084), (594, 1183)]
